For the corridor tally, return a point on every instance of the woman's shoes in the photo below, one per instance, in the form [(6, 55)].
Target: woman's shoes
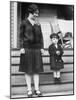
[(29, 93), (38, 93)]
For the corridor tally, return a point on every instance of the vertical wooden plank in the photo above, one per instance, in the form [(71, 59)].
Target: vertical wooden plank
[(13, 22), (15, 25)]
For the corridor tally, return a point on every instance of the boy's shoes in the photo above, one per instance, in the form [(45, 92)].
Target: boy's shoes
[(57, 80), (38, 93)]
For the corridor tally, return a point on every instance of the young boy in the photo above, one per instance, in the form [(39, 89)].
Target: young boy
[(56, 52)]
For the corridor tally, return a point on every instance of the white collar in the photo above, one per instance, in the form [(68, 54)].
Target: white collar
[(31, 21)]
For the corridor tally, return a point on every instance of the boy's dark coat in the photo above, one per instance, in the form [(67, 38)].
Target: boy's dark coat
[(56, 61)]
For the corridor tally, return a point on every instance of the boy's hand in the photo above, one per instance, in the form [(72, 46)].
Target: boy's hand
[(58, 52)]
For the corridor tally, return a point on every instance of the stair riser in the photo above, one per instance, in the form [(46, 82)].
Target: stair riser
[(67, 68), (66, 52), (44, 79), (45, 60)]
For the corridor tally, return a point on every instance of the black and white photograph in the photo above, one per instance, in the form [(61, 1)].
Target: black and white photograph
[(41, 49)]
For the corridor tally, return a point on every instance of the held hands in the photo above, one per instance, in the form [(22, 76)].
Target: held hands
[(58, 52), (22, 51)]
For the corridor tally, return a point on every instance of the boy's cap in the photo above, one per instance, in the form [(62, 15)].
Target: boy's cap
[(54, 35)]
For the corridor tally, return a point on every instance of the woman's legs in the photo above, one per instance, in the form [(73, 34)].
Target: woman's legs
[(28, 82), (36, 81), (36, 84), (54, 74)]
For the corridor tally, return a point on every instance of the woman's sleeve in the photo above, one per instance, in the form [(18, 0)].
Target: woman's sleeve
[(21, 36), (25, 35), (61, 51), (41, 40)]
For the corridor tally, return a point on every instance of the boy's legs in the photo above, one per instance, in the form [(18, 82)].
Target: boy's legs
[(58, 74), (36, 81)]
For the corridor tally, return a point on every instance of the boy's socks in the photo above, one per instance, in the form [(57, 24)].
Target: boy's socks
[(58, 74)]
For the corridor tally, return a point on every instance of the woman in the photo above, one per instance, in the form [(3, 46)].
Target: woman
[(32, 46)]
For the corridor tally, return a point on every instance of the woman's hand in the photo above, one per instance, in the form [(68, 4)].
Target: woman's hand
[(42, 51), (22, 50)]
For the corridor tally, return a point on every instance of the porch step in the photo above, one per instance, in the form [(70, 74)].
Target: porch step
[(44, 89), (45, 79), (16, 52), (47, 85), (16, 60), (19, 96), (67, 68)]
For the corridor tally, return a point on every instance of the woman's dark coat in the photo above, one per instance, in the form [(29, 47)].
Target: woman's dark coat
[(56, 61), (31, 40), (30, 36)]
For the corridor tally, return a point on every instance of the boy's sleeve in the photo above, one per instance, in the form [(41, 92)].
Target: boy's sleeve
[(51, 51), (61, 51)]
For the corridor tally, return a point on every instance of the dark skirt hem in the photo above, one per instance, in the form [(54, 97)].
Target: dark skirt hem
[(31, 61)]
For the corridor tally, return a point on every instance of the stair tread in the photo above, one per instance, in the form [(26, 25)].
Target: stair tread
[(44, 79), (54, 88), (44, 94)]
